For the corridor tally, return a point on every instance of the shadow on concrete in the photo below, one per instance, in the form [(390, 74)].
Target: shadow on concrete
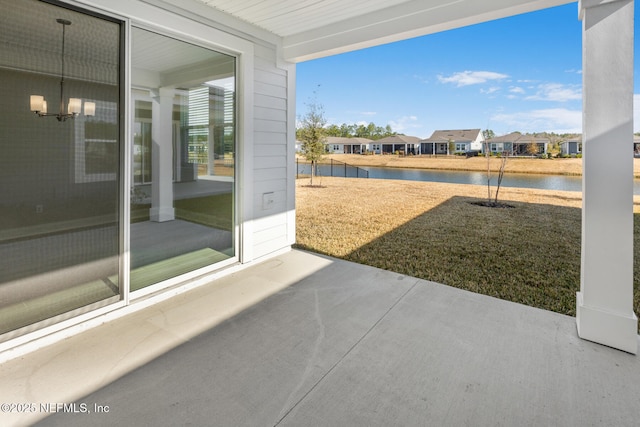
[(358, 346), (529, 254)]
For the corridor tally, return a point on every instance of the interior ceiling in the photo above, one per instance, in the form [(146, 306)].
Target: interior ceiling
[(314, 28), (31, 40), (163, 54)]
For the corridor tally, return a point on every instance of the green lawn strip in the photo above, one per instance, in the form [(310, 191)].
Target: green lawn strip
[(44, 307), (213, 211), (499, 252), (172, 267)]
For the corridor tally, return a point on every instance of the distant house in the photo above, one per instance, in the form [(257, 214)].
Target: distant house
[(571, 147), (434, 146), (522, 147), (636, 145), (399, 143), (516, 144), (501, 144), (342, 145), (452, 141)]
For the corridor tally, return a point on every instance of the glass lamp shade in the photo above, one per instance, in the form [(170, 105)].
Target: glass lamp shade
[(89, 109), (37, 102), (75, 105)]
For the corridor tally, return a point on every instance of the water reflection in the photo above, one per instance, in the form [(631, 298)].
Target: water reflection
[(539, 181)]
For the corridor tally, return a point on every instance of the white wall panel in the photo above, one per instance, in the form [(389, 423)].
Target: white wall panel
[(270, 138), (271, 172), (270, 114)]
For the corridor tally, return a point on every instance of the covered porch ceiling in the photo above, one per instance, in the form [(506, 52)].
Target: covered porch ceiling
[(312, 29)]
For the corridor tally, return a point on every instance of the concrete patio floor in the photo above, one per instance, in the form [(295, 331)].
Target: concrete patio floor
[(307, 340)]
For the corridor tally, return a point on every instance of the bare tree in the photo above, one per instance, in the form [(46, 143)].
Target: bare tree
[(487, 153), (503, 163), (312, 134)]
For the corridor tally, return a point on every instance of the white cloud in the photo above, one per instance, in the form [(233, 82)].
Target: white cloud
[(516, 89), (491, 90), (556, 92), (466, 78), (559, 120), (406, 124)]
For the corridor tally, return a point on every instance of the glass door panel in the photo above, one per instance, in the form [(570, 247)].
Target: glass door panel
[(59, 173), (183, 194)]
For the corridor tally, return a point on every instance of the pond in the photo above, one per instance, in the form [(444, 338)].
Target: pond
[(540, 181), (545, 182)]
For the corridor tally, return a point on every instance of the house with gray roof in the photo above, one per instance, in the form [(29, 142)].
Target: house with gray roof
[(452, 141), (344, 145), (517, 144), (397, 143), (571, 146)]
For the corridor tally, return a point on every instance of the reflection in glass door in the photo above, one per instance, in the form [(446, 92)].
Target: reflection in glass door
[(141, 146), (59, 212), (183, 166)]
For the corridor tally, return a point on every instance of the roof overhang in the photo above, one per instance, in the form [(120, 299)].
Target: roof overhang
[(308, 30), (400, 22)]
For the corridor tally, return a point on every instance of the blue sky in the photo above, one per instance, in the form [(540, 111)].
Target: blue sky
[(521, 73)]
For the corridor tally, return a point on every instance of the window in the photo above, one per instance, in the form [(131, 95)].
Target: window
[(461, 146), (184, 157), (60, 229)]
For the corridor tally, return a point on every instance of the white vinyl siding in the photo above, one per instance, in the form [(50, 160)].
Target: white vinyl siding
[(270, 154)]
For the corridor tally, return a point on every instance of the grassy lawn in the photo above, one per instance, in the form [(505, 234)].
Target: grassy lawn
[(528, 254), (213, 211)]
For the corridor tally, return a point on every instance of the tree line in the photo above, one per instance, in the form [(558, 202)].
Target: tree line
[(370, 131)]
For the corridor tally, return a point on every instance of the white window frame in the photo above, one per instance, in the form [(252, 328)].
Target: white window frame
[(140, 14)]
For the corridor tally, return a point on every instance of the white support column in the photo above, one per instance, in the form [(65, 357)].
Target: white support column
[(211, 166), (162, 157), (605, 302)]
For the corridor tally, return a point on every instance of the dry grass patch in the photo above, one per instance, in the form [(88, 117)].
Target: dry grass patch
[(529, 254)]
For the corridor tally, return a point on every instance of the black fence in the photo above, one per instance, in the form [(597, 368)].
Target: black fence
[(331, 168)]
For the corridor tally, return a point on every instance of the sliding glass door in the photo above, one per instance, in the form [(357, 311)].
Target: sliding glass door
[(183, 168), (60, 139), (63, 187)]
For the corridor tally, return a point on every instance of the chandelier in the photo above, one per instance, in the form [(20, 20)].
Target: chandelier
[(39, 104)]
